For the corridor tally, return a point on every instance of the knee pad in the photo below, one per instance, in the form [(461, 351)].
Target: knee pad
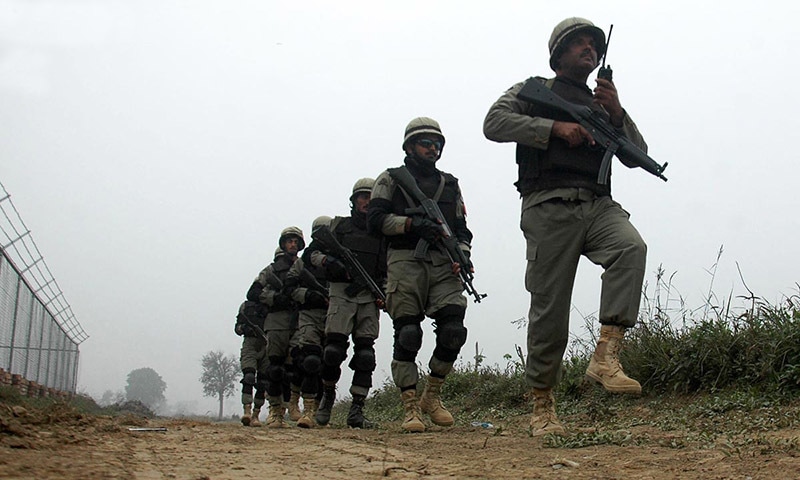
[(335, 350), (275, 374), (407, 337), (297, 355), (451, 336), (312, 364), (261, 384), (363, 355), (249, 378)]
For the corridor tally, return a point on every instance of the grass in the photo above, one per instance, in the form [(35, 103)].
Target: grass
[(719, 378)]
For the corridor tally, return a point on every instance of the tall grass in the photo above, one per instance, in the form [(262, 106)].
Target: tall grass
[(672, 350)]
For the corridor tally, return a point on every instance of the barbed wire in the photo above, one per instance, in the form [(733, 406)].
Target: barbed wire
[(20, 249)]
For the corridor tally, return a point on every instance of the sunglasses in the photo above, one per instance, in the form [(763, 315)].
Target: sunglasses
[(425, 143)]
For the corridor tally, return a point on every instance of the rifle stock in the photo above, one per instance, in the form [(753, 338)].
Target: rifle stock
[(603, 133), (448, 241)]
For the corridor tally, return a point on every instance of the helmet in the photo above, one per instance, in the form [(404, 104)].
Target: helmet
[(421, 125), (322, 220), (362, 185), (278, 251), (292, 232), (566, 28)]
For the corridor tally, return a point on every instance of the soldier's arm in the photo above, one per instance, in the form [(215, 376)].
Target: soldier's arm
[(293, 287), (254, 291), (380, 218), (269, 292), (508, 120)]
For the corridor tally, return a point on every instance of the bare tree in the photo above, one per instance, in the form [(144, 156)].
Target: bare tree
[(219, 376)]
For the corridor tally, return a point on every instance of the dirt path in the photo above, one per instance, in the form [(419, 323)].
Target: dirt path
[(74, 446)]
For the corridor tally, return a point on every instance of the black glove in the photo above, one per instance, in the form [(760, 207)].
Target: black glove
[(335, 270), (315, 299), (281, 301), (426, 229), (243, 329)]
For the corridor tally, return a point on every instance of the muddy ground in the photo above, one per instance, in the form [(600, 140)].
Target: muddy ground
[(60, 443)]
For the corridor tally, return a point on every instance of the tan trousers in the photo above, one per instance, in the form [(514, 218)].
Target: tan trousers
[(557, 233)]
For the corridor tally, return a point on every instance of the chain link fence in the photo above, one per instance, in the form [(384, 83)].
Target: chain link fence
[(39, 335)]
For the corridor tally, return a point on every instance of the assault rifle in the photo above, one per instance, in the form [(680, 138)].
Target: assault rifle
[(448, 242), (354, 268), (603, 132), (308, 280), (251, 323)]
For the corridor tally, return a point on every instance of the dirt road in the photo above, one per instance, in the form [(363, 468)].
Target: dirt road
[(68, 445)]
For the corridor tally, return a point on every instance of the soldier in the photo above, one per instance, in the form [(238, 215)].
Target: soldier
[(566, 214), (281, 322), (353, 311), (417, 287), (309, 290), (253, 359)]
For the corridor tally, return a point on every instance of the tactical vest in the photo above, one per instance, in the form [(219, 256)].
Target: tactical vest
[(442, 188), (561, 166), (367, 248), (280, 268)]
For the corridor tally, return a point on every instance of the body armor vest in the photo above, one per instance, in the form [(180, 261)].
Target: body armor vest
[(367, 248), (429, 185), (561, 166)]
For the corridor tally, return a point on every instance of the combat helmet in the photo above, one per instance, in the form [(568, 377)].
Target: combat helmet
[(565, 28), (321, 221), (289, 232), (422, 125), (362, 185)]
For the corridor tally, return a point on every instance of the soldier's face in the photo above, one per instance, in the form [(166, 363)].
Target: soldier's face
[(428, 147), (361, 202), (580, 54), (290, 245)]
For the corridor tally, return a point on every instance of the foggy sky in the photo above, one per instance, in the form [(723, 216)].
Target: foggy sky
[(157, 148)]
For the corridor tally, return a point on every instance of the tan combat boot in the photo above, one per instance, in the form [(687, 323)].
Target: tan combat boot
[(604, 367), (431, 403), (294, 407), (246, 416), (412, 421), (309, 410), (254, 418), (275, 417), (544, 419)]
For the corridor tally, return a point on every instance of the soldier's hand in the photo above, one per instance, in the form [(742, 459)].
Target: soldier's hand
[(335, 269), (315, 299), (426, 229), (605, 95), (572, 133), (456, 268)]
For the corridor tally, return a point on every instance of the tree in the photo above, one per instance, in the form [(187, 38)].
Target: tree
[(110, 398), (219, 376), (146, 386)]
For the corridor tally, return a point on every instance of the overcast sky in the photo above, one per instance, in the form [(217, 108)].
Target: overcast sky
[(157, 148)]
